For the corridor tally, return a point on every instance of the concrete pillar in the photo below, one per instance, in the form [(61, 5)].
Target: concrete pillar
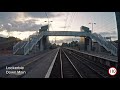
[(41, 45), (82, 43), (88, 44), (45, 42)]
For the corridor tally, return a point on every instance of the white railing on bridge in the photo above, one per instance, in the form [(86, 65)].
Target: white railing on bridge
[(34, 38), (18, 46), (22, 43), (107, 45), (33, 41)]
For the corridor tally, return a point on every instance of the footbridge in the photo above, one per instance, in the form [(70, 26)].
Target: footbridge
[(24, 47)]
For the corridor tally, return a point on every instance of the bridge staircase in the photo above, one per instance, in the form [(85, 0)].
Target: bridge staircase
[(25, 46), (109, 46)]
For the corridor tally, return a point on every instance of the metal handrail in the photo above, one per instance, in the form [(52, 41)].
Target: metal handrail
[(107, 45), (20, 44), (33, 41)]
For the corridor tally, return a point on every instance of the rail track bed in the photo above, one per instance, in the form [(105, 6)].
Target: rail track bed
[(70, 64)]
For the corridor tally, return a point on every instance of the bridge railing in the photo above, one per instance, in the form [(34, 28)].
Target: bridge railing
[(22, 43), (110, 43), (16, 47), (115, 44), (107, 45), (33, 41), (95, 36)]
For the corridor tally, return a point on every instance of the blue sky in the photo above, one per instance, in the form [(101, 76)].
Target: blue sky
[(23, 24)]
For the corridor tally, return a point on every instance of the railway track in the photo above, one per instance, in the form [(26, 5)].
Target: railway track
[(64, 68), (97, 68), (69, 64), (100, 69), (97, 63)]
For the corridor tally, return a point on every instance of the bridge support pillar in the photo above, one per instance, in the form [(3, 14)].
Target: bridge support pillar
[(43, 43), (88, 44), (82, 43)]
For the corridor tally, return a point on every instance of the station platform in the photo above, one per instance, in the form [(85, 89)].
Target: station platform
[(9, 59), (103, 55), (43, 67), (39, 69)]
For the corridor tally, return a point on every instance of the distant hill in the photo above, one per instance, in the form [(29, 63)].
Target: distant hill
[(8, 43)]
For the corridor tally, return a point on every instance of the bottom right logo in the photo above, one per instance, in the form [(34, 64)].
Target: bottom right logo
[(112, 71)]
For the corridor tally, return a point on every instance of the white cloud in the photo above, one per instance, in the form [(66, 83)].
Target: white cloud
[(31, 21), (4, 33)]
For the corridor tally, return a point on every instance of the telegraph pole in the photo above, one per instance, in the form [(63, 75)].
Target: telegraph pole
[(117, 14)]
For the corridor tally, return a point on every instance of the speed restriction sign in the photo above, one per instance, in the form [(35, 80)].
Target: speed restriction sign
[(112, 71)]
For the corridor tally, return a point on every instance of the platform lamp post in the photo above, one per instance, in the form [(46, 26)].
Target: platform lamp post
[(92, 26), (92, 31)]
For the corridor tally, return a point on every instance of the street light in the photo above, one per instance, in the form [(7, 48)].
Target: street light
[(48, 22), (92, 26)]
